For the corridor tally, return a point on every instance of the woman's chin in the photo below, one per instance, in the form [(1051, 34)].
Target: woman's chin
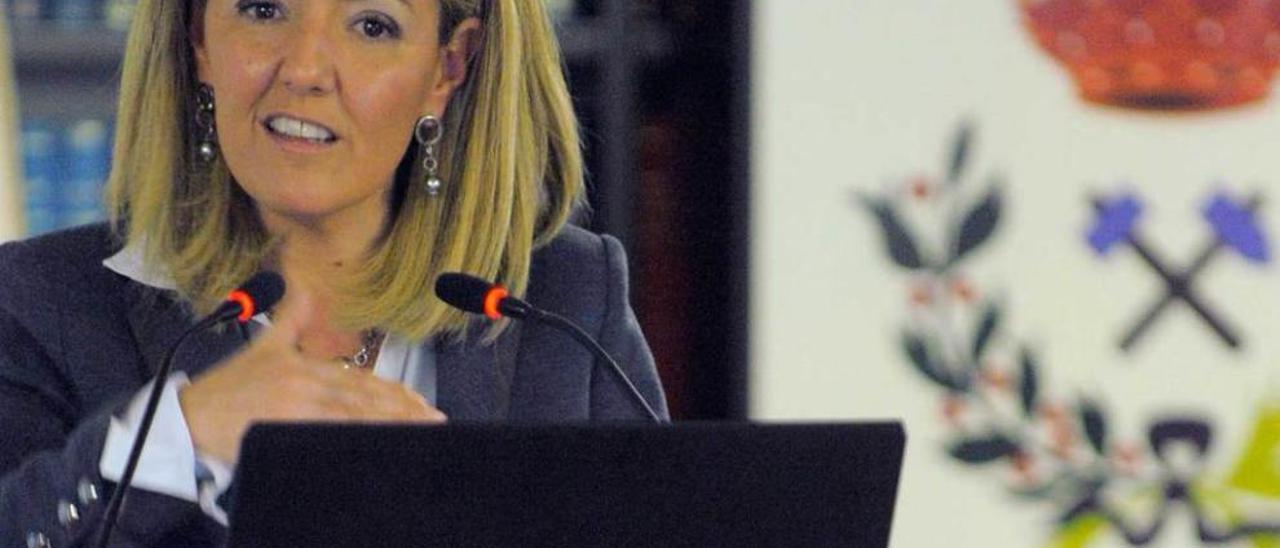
[(299, 211)]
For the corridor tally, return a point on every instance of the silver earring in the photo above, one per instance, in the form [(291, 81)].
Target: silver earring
[(207, 148), (428, 133)]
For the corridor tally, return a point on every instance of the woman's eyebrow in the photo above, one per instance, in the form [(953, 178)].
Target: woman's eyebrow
[(406, 3)]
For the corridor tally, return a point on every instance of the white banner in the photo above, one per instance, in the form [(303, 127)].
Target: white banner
[(1042, 234)]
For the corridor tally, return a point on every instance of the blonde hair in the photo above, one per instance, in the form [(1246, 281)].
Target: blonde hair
[(511, 158)]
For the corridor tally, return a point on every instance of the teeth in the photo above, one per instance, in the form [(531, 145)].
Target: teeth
[(298, 129)]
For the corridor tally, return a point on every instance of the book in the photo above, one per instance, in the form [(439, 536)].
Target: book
[(65, 169)]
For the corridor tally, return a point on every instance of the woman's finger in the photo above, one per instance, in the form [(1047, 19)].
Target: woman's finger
[(364, 396)]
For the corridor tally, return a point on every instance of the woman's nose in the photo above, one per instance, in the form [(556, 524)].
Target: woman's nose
[(307, 67)]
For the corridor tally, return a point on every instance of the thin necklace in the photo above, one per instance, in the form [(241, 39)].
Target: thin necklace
[(360, 360)]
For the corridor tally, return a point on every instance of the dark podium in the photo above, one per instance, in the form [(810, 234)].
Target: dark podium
[(700, 484)]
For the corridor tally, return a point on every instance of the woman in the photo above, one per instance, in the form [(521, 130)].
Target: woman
[(360, 148)]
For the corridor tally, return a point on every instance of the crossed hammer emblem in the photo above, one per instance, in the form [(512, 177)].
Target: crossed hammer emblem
[(1234, 229)]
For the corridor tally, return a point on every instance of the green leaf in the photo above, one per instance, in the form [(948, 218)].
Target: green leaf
[(1034, 493), (960, 153), (897, 240), (918, 351), (986, 330), (978, 226), (1082, 531), (1029, 384), (1095, 425), (983, 450)]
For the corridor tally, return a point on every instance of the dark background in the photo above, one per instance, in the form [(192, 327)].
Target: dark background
[(679, 197)]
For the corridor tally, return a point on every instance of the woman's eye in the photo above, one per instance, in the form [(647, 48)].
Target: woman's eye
[(265, 11), (377, 28)]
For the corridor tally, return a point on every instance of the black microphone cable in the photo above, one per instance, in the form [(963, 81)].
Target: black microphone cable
[(475, 295)]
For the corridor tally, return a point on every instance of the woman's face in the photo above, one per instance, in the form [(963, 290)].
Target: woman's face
[(317, 99)]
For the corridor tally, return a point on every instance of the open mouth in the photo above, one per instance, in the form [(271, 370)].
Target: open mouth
[(293, 128)]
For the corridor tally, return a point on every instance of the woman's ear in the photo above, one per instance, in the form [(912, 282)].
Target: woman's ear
[(202, 62), (196, 32), (455, 58)]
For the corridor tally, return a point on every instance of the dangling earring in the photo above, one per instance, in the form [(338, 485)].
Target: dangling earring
[(428, 133), (207, 148)]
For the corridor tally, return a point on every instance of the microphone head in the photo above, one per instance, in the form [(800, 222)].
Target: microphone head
[(463, 291), (259, 294), (471, 294), (266, 288)]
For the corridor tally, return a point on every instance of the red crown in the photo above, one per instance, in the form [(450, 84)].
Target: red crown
[(1162, 54)]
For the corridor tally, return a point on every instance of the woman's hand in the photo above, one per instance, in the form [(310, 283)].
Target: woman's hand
[(272, 381)]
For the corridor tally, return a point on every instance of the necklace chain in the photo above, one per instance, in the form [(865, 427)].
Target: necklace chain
[(369, 340), (360, 360)]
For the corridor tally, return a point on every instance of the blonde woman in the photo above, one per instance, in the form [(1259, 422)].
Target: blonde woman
[(360, 148)]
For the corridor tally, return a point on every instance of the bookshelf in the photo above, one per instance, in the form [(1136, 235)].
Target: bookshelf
[(64, 47)]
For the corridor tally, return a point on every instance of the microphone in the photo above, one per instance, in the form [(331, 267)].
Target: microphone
[(478, 296), (259, 294)]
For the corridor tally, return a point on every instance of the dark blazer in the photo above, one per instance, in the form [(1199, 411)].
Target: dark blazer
[(78, 340)]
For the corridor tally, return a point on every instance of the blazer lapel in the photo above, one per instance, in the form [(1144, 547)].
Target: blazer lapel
[(473, 378), (157, 320)]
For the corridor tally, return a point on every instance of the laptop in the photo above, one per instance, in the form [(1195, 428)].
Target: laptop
[(688, 484)]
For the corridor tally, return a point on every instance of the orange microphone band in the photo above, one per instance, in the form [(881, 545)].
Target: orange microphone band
[(491, 301), (247, 310)]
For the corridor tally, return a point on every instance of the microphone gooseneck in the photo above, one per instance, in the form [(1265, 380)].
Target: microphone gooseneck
[(259, 294), (478, 296)]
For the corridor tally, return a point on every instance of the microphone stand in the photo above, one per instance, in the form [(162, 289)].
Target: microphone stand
[(224, 313), (515, 308)]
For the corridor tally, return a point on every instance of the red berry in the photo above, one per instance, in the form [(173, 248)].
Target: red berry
[(996, 379), (1053, 412), (1024, 465), (963, 290), (921, 294), (952, 408), (921, 187), (1127, 455), (1063, 442)]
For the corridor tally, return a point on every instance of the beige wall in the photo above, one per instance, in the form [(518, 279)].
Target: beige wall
[(860, 95)]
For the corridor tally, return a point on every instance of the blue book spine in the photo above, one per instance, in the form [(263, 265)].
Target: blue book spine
[(87, 145), (41, 174), (76, 12)]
